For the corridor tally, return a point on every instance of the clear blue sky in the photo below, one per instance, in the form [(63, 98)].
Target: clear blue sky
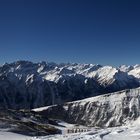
[(83, 31)]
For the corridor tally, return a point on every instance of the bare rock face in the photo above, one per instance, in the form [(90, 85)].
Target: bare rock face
[(107, 110), (27, 123), (28, 85)]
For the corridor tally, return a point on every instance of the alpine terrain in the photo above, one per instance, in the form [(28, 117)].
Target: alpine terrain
[(27, 85), (49, 101)]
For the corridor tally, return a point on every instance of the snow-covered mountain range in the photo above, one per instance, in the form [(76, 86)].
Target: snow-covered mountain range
[(24, 84)]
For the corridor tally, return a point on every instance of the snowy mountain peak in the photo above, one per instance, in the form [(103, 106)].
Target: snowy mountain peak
[(126, 68)]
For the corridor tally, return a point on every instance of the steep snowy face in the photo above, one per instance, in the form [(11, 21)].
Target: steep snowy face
[(131, 70), (104, 73), (105, 110), (25, 84), (125, 68), (136, 71), (108, 75)]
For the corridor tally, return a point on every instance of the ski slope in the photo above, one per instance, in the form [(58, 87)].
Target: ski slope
[(129, 132)]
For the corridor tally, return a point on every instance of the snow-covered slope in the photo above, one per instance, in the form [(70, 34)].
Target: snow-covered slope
[(115, 133), (113, 109), (25, 84), (4, 135), (131, 132)]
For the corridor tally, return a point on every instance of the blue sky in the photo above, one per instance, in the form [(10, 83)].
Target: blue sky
[(83, 31)]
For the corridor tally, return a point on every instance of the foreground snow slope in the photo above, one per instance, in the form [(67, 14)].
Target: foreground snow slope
[(129, 132), (117, 133), (114, 109), (13, 136)]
